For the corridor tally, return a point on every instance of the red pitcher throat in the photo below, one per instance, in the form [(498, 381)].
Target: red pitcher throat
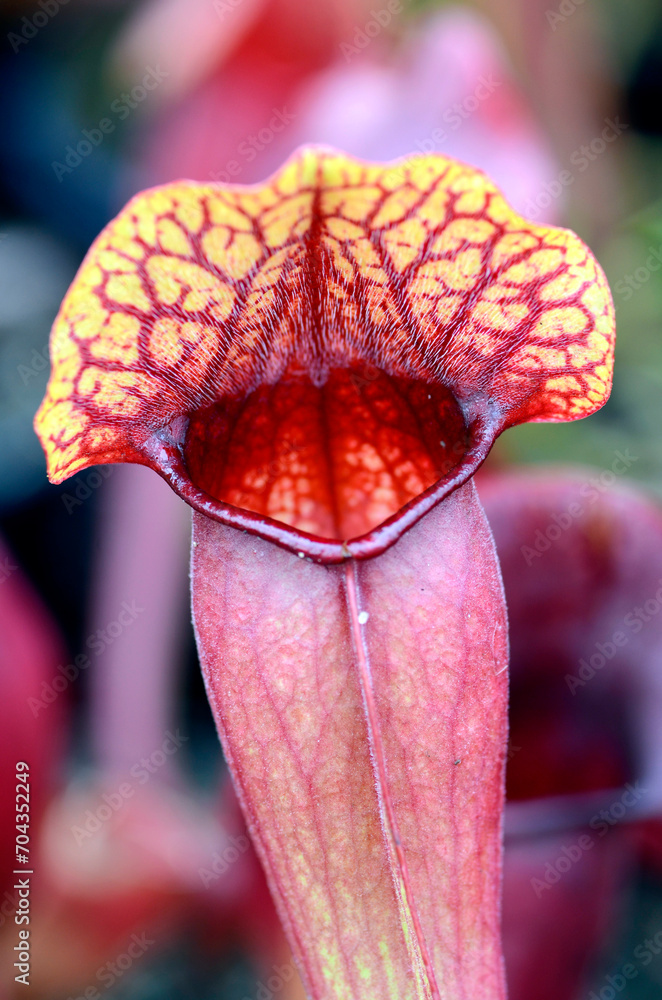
[(332, 469)]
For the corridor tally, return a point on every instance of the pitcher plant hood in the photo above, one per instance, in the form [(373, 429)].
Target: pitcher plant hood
[(322, 358)]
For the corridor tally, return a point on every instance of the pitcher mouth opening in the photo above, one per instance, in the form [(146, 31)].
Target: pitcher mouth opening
[(330, 470)]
